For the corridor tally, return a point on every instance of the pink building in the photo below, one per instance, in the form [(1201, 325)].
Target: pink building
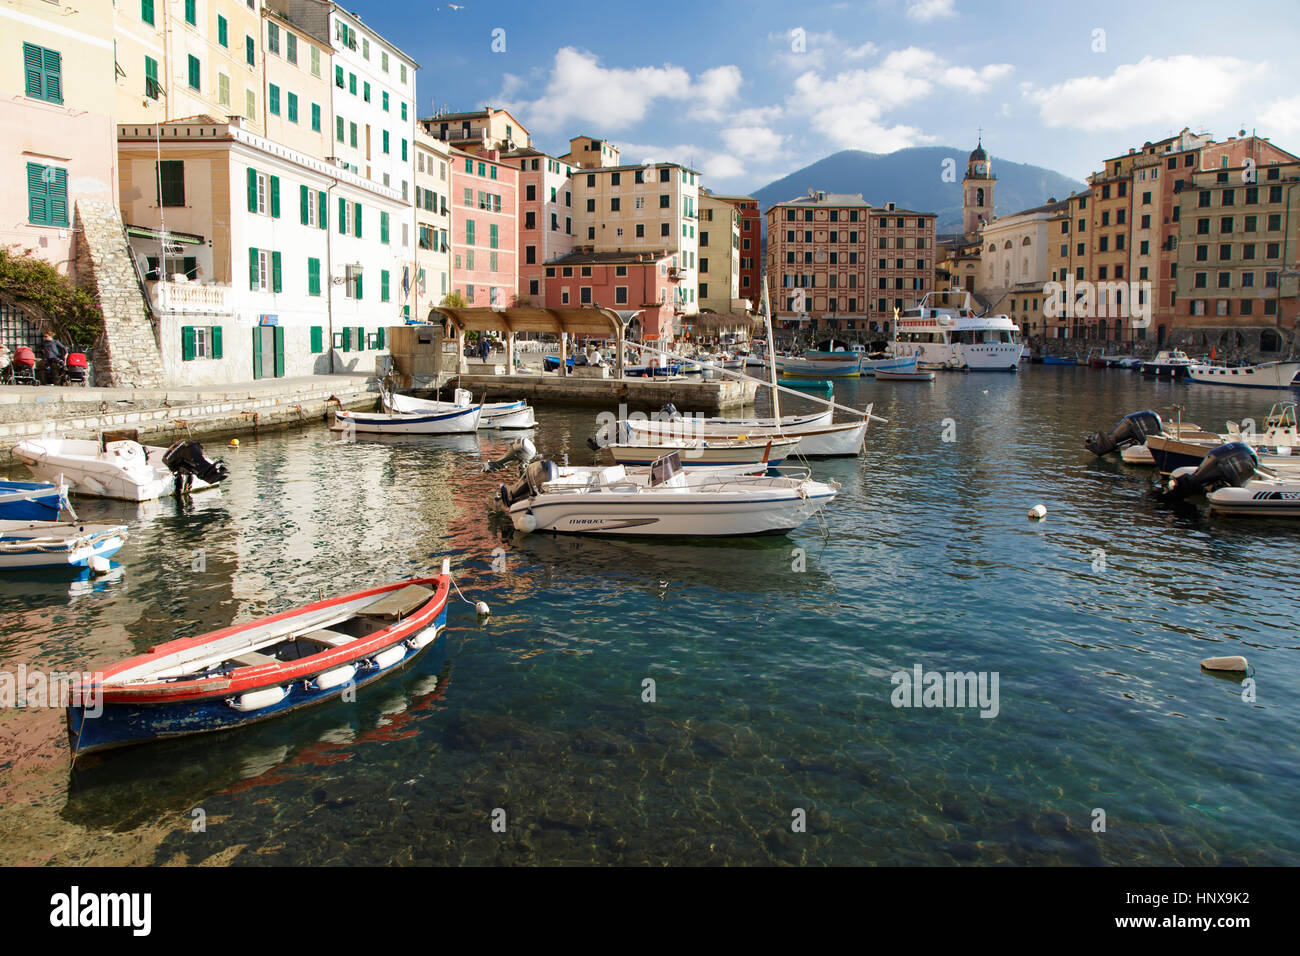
[(545, 216), (484, 233), (624, 281)]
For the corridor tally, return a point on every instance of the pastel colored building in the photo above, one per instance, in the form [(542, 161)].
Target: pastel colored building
[(56, 122), (545, 216), (297, 72), (1015, 262), (624, 281), (478, 130), (719, 237), (484, 237), (433, 274), (751, 245), (260, 261)]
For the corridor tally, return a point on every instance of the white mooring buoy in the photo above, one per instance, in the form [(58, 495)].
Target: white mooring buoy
[(1038, 512), (1234, 664), (482, 608)]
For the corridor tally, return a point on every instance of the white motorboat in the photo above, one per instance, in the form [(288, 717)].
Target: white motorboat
[(502, 415), (1264, 375), (818, 437), (734, 454), (663, 500), (453, 421), (56, 544), (943, 335), (1235, 482), (120, 468), (1171, 363)]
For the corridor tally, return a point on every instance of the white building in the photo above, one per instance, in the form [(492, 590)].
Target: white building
[(432, 278), (277, 263)]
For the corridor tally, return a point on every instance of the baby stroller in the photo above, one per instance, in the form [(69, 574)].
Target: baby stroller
[(24, 367), (75, 369)]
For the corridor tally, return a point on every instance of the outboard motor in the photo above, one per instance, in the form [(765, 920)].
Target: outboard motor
[(521, 450), (668, 412), (186, 461), (1132, 429), (535, 476), (1230, 465)]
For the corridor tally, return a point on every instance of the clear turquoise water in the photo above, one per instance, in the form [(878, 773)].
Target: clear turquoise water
[(772, 685)]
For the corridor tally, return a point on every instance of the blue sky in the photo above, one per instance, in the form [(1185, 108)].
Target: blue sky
[(736, 90)]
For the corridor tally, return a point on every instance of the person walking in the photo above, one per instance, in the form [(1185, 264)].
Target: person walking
[(52, 351)]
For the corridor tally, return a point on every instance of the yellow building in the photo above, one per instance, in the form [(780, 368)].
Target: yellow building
[(719, 255), (297, 69), (432, 223), (473, 132), (587, 152), (189, 58)]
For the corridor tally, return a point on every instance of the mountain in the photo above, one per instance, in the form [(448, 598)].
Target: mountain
[(913, 179)]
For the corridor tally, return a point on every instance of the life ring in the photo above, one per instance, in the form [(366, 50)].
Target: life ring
[(654, 363)]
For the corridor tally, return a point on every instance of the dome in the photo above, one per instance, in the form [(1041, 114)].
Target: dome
[(977, 155)]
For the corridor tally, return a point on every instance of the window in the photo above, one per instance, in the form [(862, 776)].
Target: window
[(315, 61), (273, 38), (313, 285), (195, 71), (223, 89), (365, 92), (146, 11), (315, 117), (290, 47), (273, 100), (191, 14), (171, 182), (200, 342), (263, 270), (383, 227), (383, 285), (223, 31), (250, 50), (152, 89), (47, 195), (250, 104), (384, 141)]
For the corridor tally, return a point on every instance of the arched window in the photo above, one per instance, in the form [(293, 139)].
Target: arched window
[(1007, 244), (979, 197), (1025, 242), (1269, 341)]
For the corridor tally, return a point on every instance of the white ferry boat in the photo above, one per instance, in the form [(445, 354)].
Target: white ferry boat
[(943, 335)]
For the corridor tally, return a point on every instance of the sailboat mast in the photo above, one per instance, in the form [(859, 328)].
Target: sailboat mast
[(771, 356)]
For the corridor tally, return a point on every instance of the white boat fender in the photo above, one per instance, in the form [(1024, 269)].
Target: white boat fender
[(99, 565), (1234, 664), (525, 523), (423, 638), (1038, 512), (389, 656), (335, 677), (258, 699)]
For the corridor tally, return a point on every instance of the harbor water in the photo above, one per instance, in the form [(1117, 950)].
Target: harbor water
[(650, 702)]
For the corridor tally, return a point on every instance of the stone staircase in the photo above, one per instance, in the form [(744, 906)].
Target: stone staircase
[(128, 354)]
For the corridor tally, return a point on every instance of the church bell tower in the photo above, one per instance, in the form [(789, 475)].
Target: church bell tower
[(977, 191)]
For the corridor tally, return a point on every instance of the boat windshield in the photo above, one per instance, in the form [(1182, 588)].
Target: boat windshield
[(984, 336)]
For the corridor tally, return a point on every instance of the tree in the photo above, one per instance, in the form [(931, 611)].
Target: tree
[(57, 304), (454, 300)]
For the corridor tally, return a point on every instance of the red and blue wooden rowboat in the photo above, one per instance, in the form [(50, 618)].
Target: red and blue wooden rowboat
[(261, 669)]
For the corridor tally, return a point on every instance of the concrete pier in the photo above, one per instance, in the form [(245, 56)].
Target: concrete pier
[(164, 414), (542, 389)]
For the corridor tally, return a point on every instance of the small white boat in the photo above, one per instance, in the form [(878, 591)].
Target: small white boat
[(454, 421), (663, 500), (55, 544), (735, 454), (818, 437), (890, 375), (1264, 375), (905, 363), (120, 468), (794, 367), (502, 415)]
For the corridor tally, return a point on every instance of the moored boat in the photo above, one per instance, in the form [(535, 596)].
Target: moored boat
[(32, 500), (890, 375), (1264, 375), (897, 363), (454, 421), (260, 669), (818, 436), (734, 453), (1171, 363), (121, 468), (55, 544), (808, 384), (943, 335), (662, 500), (843, 365), (498, 415)]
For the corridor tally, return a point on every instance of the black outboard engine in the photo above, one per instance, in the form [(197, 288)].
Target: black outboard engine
[(186, 461), (668, 412), (535, 475), (1132, 429), (521, 450), (1230, 465)]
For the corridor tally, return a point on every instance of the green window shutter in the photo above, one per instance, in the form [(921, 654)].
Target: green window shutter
[(275, 197), (257, 352), (252, 189), (338, 76), (146, 11), (381, 336), (358, 284), (34, 70), (223, 31), (352, 83), (56, 190), (151, 86), (347, 338), (273, 99), (383, 227), (356, 220), (404, 154), (191, 14), (279, 351), (252, 269), (53, 76), (338, 128), (293, 105), (275, 271), (383, 285), (385, 140), (361, 339), (315, 117), (250, 50), (187, 343), (216, 342), (323, 210), (317, 340), (304, 203), (492, 235), (343, 216), (313, 277), (38, 200), (195, 71)]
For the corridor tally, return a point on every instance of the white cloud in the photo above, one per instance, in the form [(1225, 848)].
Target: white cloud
[(580, 90), (1174, 90), (923, 11), (1280, 118), (752, 141), (851, 107)]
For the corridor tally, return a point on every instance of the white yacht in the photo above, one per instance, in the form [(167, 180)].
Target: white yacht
[(943, 335)]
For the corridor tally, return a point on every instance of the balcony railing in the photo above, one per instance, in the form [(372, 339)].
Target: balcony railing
[(190, 298)]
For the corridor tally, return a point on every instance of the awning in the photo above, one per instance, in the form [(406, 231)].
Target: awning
[(602, 323), (145, 232)]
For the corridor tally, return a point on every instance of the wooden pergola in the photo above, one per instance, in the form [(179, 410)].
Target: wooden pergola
[(595, 323)]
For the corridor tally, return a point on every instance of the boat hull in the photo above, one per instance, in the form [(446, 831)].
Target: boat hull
[(1169, 454), (754, 454), (817, 368), (1152, 370), (1258, 499), (44, 544), (1276, 375), (208, 706), (457, 421), (815, 441), (905, 363), (86, 473), (30, 501), (889, 375)]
